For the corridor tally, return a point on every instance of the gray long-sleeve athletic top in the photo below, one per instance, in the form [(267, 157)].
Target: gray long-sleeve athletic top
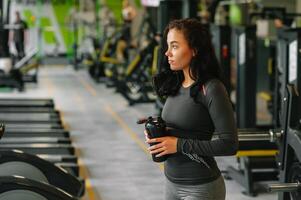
[(194, 161)]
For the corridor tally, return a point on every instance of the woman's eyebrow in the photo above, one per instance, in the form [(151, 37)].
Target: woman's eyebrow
[(173, 42)]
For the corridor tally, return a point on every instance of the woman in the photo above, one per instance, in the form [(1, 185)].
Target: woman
[(197, 104)]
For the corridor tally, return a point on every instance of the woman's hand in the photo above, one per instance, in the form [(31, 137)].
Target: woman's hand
[(166, 145)]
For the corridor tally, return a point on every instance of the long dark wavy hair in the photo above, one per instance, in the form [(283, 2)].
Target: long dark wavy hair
[(203, 66)]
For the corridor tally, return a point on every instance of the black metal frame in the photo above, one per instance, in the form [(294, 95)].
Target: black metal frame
[(168, 10), (252, 168), (290, 145), (244, 39), (221, 39)]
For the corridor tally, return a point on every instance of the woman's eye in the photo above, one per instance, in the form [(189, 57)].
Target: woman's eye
[(174, 47)]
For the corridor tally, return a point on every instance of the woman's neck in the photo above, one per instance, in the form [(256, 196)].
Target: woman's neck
[(188, 81)]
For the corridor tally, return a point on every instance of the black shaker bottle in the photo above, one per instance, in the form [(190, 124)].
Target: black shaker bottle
[(155, 127)]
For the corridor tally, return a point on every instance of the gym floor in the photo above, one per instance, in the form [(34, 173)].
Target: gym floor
[(113, 155)]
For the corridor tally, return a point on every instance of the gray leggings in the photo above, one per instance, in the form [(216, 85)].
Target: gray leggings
[(214, 190)]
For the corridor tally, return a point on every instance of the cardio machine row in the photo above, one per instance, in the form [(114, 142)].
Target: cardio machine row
[(37, 158)]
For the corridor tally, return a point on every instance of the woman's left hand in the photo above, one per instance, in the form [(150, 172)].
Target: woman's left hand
[(166, 145)]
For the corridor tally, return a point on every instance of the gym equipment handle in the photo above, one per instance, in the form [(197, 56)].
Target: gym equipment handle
[(283, 187), (271, 136)]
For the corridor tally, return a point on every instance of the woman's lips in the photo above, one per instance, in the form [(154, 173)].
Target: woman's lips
[(170, 62)]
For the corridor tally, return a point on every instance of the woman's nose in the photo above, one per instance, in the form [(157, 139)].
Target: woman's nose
[(167, 53)]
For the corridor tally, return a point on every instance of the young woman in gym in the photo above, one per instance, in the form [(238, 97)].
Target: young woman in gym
[(197, 104)]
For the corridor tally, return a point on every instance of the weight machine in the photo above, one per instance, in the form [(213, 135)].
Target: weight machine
[(288, 137), (289, 158)]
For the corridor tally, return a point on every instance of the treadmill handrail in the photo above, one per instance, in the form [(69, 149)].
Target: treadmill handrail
[(25, 59), (55, 175), (32, 140), (11, 183)]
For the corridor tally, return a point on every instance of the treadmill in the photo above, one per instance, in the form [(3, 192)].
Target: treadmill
[(29, 116), (30, 126), (18, 187), (35, 168), (37, 132), (41, 148), (26, 102), (34, 140), (28, 110)]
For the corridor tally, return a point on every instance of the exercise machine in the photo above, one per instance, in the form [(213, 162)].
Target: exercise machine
[(18, 187), (289, 158), (35, 168)]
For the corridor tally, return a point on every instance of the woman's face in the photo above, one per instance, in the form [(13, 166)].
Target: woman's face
[(179, 54)]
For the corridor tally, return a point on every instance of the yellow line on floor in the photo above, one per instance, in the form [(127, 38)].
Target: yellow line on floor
[(91, 193), (88, 86), (49, 85), (119, 120), (129, 131), (84, 173), (79, 101)]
